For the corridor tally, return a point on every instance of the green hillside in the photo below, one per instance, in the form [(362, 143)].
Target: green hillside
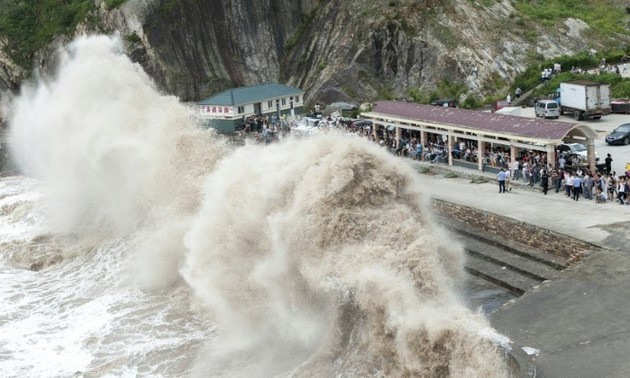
[(605, 17), (30, 25)]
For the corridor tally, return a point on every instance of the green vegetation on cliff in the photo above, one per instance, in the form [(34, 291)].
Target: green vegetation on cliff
[(31, 25), (620, 87), (602, 16)]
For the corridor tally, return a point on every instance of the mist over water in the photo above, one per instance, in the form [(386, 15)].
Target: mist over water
[(147, 246), (117, 156)]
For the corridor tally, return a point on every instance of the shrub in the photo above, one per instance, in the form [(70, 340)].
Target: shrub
[(621, 90), (426, 170), (113, 4), (478, 180), (470, 102), (133, 38)]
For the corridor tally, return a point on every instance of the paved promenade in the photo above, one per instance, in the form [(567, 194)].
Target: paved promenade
[(580, 321)]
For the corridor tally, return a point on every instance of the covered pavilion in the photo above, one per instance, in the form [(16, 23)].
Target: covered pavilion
[(482, 127)]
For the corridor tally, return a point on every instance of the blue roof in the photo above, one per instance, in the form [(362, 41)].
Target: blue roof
[(250, 95)]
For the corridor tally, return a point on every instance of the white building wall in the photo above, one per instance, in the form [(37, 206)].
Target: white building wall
[(249, 108)]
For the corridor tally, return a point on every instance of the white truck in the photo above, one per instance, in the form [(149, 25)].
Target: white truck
[(584, 99)]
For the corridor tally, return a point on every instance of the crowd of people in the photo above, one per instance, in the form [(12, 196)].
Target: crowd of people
[(261, 123), (531, 167), (603, 67), (601, 187), (266, 129), (605, 186)]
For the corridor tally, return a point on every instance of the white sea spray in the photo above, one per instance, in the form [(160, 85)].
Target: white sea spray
[(143, 237)]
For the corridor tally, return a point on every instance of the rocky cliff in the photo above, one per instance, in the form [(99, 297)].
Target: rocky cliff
[(336, 49)]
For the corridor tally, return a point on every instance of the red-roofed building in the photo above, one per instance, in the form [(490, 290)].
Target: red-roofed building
[(483, 127)]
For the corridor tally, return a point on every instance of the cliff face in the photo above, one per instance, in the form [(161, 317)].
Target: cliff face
[(371, 51), (194, 48), (336, 49)]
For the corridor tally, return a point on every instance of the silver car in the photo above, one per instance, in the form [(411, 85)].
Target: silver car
[(574, 148), (547, 109)]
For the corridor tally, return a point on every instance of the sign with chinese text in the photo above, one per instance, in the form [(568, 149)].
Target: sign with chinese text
[(215, 110)]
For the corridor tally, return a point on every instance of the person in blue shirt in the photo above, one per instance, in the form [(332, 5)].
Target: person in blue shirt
[(419, 151), (501, 176)]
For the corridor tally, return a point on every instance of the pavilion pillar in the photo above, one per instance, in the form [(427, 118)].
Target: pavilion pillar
[(450, 149), (551, 156), (480, 151), (513, 173), (590, 153), (398, 136)]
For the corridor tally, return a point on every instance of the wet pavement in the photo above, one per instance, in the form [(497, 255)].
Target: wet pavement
[(580, 321)]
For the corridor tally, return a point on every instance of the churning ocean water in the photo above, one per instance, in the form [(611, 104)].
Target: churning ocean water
[(139, 245)]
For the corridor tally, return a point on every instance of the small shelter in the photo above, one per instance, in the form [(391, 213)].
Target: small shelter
[(226, 111), (484, 128)]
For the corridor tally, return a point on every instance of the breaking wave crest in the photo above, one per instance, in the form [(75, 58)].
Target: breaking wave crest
[(312, 257), (319, 257)]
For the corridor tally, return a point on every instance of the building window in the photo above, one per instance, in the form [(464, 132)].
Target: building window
[(241, 109), (284, 101), (297, 98), (269, 104)]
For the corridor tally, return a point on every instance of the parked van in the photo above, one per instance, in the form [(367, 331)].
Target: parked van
[(547, 109)]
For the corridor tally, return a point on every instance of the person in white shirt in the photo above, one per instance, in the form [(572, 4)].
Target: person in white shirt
[(568, 184), (514, 169), (600, 195), (579, 172), (621, 190), (501, 177), (561, 162)]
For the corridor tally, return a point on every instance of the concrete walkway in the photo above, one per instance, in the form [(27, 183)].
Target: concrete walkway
[(580, 321)]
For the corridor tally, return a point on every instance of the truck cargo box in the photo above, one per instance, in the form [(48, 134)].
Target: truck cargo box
[(585, 98)]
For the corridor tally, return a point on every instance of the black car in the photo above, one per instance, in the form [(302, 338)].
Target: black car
[(361, 124), (447, 103), (620, 135), (573, 161)]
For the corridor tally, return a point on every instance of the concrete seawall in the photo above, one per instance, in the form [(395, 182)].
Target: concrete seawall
[(507, 228), (579, 321), (603, 225)]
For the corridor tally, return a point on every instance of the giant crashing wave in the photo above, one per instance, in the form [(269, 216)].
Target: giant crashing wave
[(316, 258), (313, 257)]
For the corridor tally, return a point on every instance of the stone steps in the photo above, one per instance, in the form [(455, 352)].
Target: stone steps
[(501, 275), (506, 244), (504, 262), (521, 263)]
